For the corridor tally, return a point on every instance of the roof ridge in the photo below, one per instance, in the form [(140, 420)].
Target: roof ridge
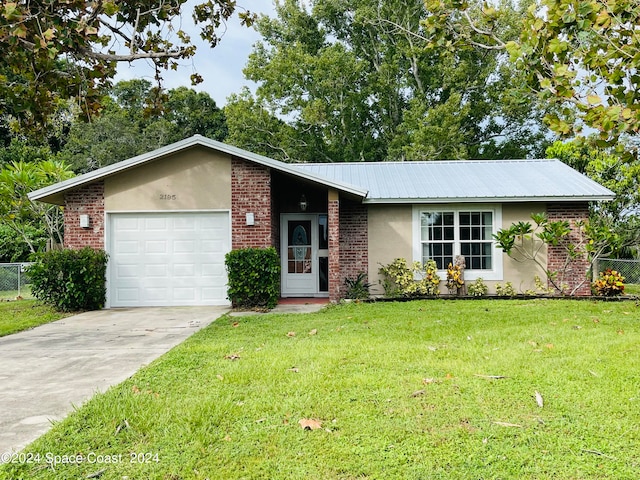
[(422, 162)]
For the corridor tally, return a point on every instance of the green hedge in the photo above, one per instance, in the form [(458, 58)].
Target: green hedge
[(70, 280), (254, 277)]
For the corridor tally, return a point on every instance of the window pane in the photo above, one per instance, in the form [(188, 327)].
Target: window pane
[(465, 218), (465, 233), (436, 233), (448, 218), (323, 232), (449, 233), (487, 218), (323, 274), (475, 233), (475, 219)]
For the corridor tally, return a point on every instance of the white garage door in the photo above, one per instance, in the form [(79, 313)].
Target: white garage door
[(161, 259)]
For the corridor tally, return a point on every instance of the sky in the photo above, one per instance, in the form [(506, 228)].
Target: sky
[(221, 67)]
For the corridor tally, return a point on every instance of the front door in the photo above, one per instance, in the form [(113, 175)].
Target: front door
[(304, 255)]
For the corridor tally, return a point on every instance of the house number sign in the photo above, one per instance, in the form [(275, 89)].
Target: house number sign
[(168, 196)]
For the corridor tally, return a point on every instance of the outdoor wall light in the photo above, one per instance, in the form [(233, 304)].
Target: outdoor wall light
[(303, 203), (84, 221), (250, 219)]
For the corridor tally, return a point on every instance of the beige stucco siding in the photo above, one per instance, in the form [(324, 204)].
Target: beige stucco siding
[(391, 236), (195, 179), (521, 273)]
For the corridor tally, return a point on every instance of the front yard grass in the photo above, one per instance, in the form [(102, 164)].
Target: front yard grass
[(438, 389), (21, 315)]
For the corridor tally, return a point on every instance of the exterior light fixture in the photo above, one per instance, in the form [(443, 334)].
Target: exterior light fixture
[(303, 203)]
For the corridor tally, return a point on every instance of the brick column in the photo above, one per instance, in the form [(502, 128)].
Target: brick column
[(250, 193), (334, 246), (575, 274), (354, 240), (86, 200)]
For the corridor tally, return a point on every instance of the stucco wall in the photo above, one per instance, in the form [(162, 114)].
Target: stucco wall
[(391, 236), (195, 179), (521, 273)]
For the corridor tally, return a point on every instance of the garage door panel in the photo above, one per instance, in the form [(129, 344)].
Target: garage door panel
[(158, 270), (184, 270), (184, 246), (168, 258), (127, 224), (156, 246), (156, 223), (126, 246), (127, 295)]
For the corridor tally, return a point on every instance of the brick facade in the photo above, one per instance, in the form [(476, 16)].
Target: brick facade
[(251, 193), (335, 278), (575, 275), (86, 200), (354, 240)]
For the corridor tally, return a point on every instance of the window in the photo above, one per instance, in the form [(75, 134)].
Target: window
[(442, 234)]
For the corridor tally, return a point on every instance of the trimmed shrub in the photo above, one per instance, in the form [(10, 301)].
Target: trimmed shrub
[(70, 280), (401, 279), (254, 277), (609, 283), (478, 288)]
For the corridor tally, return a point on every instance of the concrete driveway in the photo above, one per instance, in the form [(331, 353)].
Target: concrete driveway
[(44, 372)]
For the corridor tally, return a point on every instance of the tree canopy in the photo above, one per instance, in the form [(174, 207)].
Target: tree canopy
[(132, 122), (69, 49), (355, 80), (579, 56)]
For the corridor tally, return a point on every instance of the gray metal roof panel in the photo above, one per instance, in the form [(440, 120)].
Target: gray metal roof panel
[(464, 180)]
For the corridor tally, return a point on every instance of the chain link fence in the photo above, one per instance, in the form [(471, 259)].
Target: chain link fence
[(14, 281), (629, 269)]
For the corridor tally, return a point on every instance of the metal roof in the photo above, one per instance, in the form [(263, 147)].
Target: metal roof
[(464, 181), (55, 193), (392, 182)]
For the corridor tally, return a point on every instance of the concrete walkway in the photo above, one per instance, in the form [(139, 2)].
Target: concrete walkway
[(44, 372)]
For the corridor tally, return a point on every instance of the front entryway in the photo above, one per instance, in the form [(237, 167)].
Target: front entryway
[(305, 255)]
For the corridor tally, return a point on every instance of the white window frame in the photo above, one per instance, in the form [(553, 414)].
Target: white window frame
[(496, 272)]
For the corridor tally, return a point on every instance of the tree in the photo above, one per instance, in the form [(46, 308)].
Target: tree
[(580, 56), (69, 49), (253, 127), (613, 226), (131, 123), (356, 81), (21, 214)]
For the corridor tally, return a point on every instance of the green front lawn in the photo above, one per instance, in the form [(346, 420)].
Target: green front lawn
[(417, 390), (21, 315)]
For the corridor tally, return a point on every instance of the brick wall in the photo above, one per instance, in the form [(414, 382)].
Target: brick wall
[(354, 240), (335, 279), (575, 276), (86, 200), (250, 192)]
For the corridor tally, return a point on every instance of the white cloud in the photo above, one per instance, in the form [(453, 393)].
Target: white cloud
[(221, 67)]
